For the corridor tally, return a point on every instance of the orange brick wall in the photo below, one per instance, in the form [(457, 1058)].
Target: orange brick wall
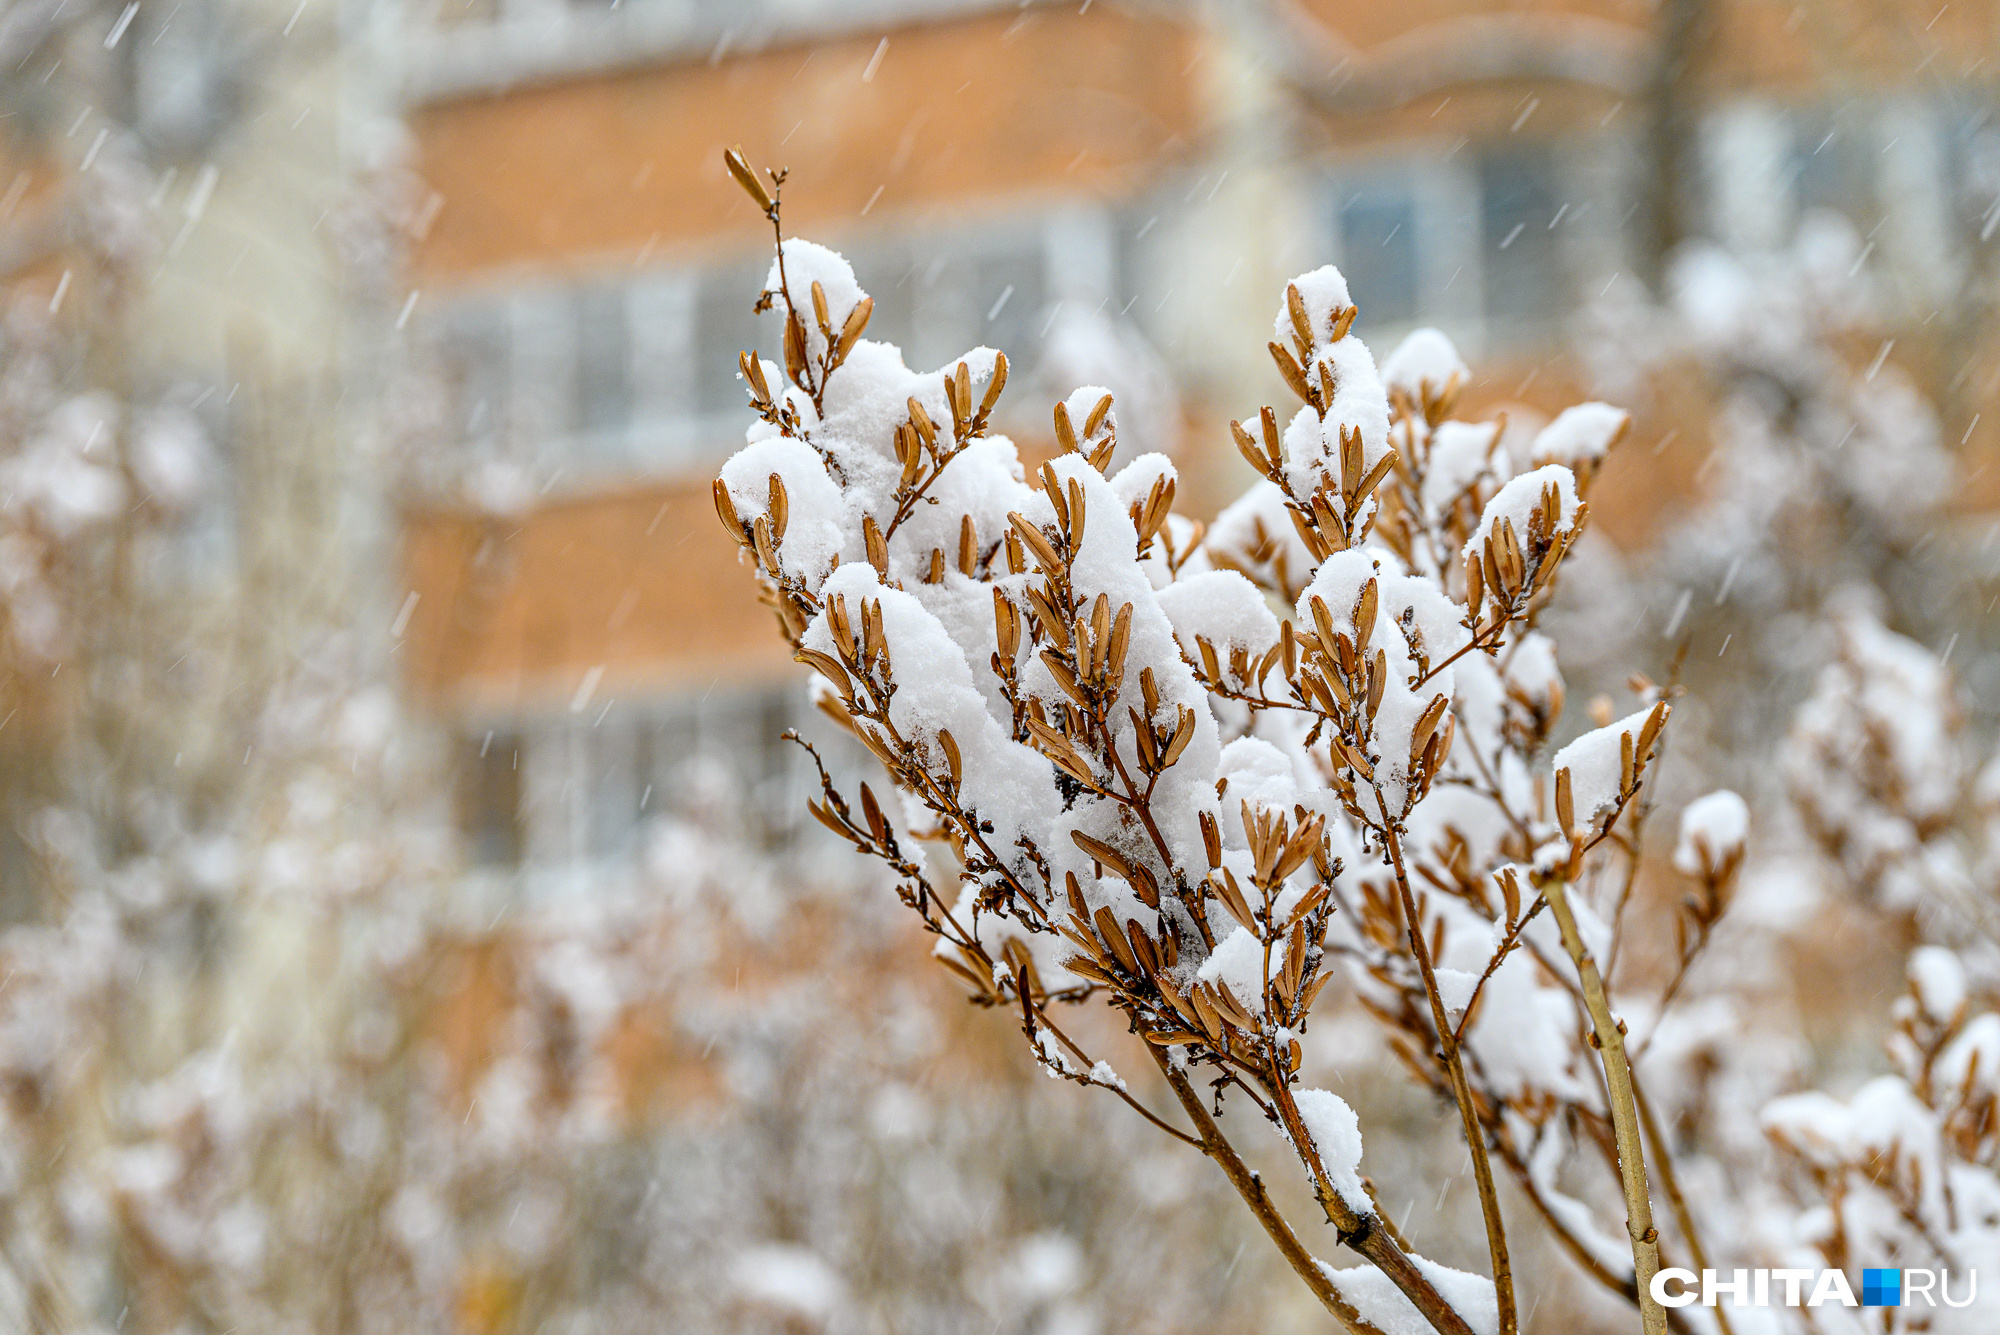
[(644, 582), (981, 107)]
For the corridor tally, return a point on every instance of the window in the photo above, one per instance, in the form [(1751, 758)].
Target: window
[(1834, 168), (726, 325), (603, 359), (488, 794), (1008, 295), (886, 273), (1378, 251), (475, 349), (1974, 162), (1517, 216), (590, 786)]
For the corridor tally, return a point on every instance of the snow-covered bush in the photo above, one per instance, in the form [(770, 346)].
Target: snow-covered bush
[(1201, 776)]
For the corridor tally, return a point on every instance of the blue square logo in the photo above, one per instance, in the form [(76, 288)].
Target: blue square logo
[(1881, 1288)]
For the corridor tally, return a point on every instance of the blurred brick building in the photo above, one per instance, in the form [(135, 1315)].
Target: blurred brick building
[(1108, 191)]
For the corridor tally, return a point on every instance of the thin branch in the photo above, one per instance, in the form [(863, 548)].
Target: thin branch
[(1370, 1242), (1493, 966), (1041, 1016), (1663, 1164), (1608, 1037), (1461, 1088)]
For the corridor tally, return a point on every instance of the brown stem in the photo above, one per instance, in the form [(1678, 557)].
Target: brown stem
[(1371, 1242), (1493, 967), (1608, 1036), (1461, 1088), (1663, 1164)]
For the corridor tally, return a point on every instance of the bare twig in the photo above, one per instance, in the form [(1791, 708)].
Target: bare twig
[(1608, 1037)]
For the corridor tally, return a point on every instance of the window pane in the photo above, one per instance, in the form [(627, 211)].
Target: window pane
[(603, 359), (1007, 296), (1835, 171), (725, 325), (475, 349), (888, 277), (1378, 251), (1517, 207), (489, 798)]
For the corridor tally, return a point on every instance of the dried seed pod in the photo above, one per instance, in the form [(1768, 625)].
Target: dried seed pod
[(1045, 552), (753, 375), (1121, 641), (1364, 615), (843, 629), (820, 311), (1211, 668), (725, 510), (1074, 892), (1103, 853), (780, 508), (874, 641), (1053, 623), (1231, 896), (1295, 306), (739, 167), (1565, 806), (1097, 416), (1656, 722), (1427, 724), (968, 546), (1373, 478), (1205, 1011), (1211, 838), (1148, 744), (1312, 990), (1308, 535), (921, 420), (1145, 886), (878, 825), (951, 759), (1183, 734), (1232, 1009), (1065, 433), (850, 333), (1006, 626), (1052, 487), (795, 348), (1247, 447), (1274, 452), (877, 546), (1107, 929), (1064, 676), (1322, 621), (829, 667), (995, 385), (1350, 464), (1295, 376)]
